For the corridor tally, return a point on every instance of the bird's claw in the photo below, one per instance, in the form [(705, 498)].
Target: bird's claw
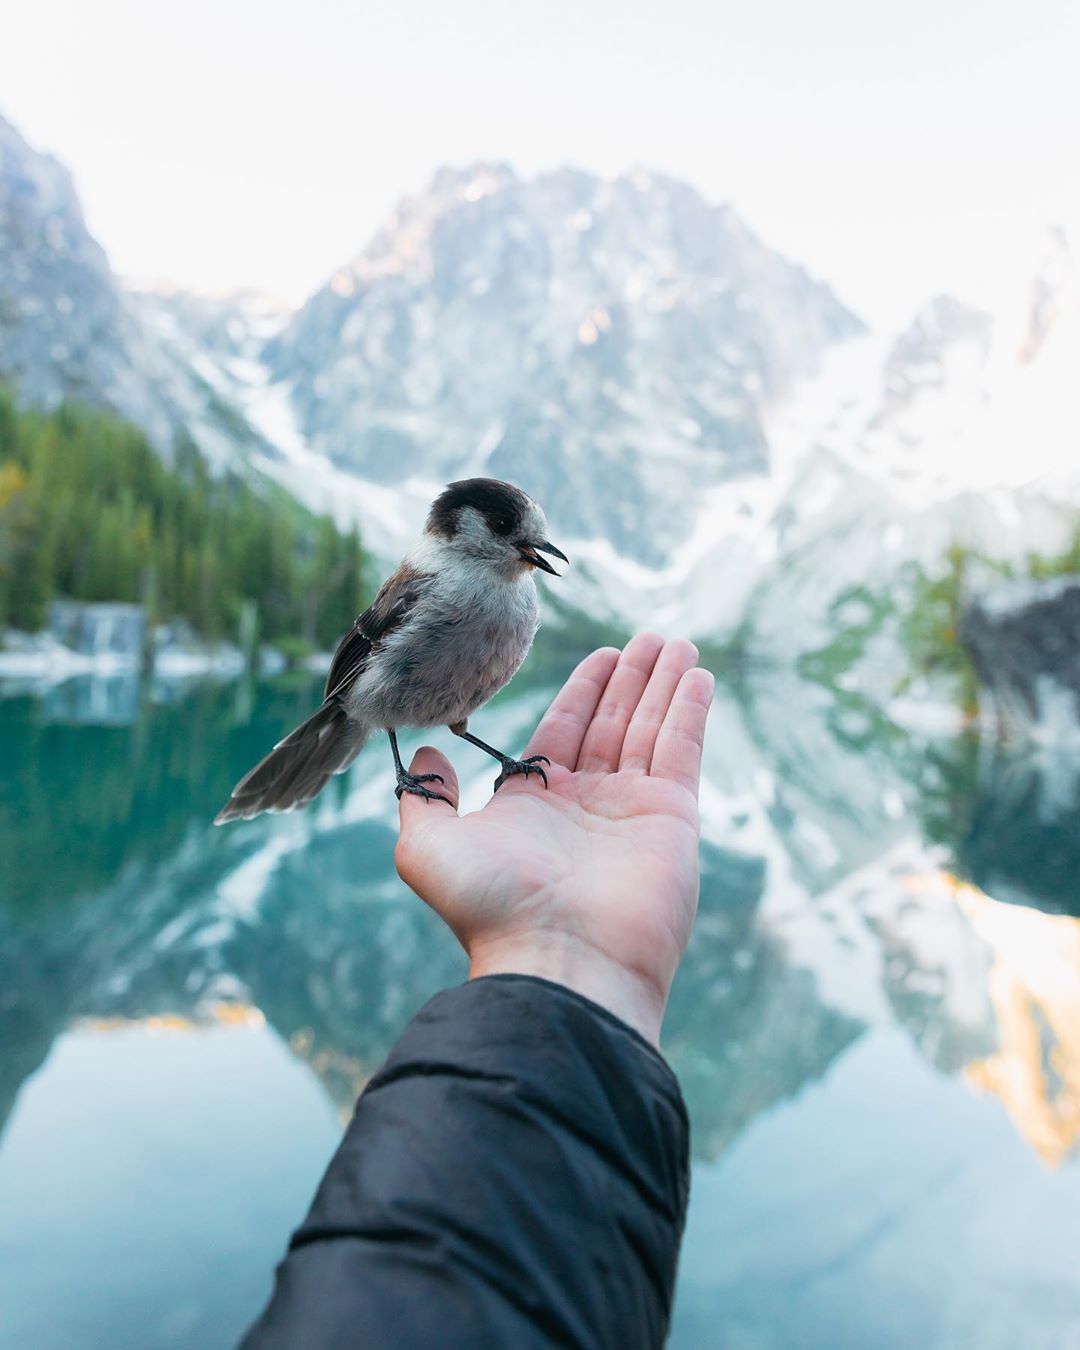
[(531, 764), (413, 783)]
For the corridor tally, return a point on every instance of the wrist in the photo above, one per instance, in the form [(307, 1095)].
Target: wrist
[(573, 962)]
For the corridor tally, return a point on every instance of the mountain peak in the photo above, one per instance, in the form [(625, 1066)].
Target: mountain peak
[(34, 176), (69, 330), (575, 333)]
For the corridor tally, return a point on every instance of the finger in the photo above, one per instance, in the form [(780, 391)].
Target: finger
[(604, 738), (562, 728), (416, 811), (675, 660), (678, 746)]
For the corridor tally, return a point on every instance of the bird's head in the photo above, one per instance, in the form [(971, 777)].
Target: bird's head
[(494, 523)]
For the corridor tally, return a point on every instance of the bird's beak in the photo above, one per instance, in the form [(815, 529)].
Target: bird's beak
[(531, 554)]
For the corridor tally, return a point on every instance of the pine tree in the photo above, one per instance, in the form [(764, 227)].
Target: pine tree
[(88, 510)]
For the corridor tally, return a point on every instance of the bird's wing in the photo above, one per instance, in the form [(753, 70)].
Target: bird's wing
[(389, 610)]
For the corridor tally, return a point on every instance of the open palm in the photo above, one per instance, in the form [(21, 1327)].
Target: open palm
[(594, 881)]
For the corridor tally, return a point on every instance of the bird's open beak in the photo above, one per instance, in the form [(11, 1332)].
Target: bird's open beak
[(531, 554)]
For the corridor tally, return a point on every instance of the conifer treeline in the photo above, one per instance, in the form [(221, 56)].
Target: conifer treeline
[(89, 511)]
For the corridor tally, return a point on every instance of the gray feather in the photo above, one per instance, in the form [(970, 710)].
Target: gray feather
[(299, 767)]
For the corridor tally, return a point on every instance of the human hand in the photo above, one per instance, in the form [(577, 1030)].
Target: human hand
[(592, 883)]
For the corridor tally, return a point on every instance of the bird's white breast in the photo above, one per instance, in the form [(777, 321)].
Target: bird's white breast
[(465, 638)]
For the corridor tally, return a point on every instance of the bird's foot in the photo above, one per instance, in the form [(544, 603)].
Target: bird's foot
[(526, 766), (413, 783)]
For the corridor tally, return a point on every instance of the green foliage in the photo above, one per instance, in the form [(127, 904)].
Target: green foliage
[(857, 615), (948, 786), (88, 510), (930, 625), (1040, 566), (925, 612), (730, 657), (295, 649)]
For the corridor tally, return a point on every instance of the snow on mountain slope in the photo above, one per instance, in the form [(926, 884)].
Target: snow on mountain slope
[(963, 431), (611, 345), (222, 339), (974, 401)]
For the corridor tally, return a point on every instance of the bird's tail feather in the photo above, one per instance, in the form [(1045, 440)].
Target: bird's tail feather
[(299, 767)]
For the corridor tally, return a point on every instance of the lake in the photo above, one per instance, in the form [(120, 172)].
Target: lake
[(877, 1027)]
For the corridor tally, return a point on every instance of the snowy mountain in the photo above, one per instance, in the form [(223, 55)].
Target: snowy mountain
[(610, 345), (68, 329), (723, 446), (961, 433), (719, 443)]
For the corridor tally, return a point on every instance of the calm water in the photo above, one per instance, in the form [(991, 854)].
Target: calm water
[(877, 1027)]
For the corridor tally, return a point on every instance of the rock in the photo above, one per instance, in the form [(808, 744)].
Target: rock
[(1024, 640)]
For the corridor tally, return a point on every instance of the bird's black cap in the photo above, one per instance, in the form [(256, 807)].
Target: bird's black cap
[(503, 506)]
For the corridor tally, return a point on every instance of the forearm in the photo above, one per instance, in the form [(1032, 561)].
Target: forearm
[(516, 1175)]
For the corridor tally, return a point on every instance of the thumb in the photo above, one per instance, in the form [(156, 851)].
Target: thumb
[(415, 810)]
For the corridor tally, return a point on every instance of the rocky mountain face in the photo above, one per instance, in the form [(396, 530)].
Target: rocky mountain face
[(610, 345), (68, 328), (63, 328)]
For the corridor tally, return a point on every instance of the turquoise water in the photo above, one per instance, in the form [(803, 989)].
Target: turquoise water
[(877, 1027)]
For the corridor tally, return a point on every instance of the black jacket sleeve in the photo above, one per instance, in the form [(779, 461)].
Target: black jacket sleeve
[(516, 1175)]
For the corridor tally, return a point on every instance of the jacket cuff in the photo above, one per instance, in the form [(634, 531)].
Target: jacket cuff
[(584, 1066)]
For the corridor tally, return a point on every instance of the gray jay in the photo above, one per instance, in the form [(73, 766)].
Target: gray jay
[(444, 633)]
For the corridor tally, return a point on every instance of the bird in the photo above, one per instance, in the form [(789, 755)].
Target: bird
[(445, 632)]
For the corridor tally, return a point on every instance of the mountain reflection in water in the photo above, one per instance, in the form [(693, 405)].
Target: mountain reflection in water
[(880, 1006)]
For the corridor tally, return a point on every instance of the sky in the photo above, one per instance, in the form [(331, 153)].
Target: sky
[(897, 150)]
